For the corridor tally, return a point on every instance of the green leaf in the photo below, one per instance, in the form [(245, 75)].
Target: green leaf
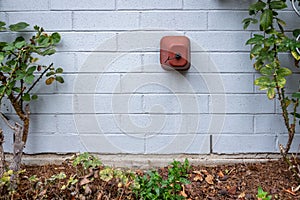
[(259, 5), (2, 56), (19, 26), (50, 73), (277, 5), (16, 89), (55, 38), (31, 70), (2, 23), (34, 97), (256, 39), (296, 95), (271, 93), (29, 79), (59, 70), (281, 22), (26, 97), (283, 72), (266, 71), (266, 19), (296, 32), (263, 81), (281, 81), (48, 52), (19, 45), (59, 79)]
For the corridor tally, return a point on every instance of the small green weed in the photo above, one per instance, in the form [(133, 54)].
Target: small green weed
[(262, 195), (86, 160), (153, 186)]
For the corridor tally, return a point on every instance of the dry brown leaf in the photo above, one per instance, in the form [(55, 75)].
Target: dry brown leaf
[(242, 195), (84, 181), (232, 190), (182, 193), (198, 177), (205, 172), (220, 174), (209, 179)]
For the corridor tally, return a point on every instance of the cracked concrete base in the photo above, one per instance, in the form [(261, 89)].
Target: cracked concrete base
[(150, 161)]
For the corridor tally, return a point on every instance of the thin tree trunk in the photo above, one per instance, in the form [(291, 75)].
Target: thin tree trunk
[(2, 158), (18, 148)]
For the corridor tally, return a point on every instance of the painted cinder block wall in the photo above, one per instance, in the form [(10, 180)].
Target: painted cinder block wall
[(116, 97)]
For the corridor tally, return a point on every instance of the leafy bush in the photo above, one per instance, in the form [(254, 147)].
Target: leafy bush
[(153, 186), (19, 74)]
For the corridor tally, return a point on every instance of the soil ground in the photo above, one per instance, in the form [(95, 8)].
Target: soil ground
[(234, 181)]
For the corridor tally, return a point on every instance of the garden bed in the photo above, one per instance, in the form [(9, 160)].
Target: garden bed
[(233, 181)]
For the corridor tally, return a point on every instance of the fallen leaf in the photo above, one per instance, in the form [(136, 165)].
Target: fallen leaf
[(209, 179), (198, 177), (242, 195), (220, 174), (84, 181), (182, 193), (87, 190), (232, 190), (196, 172), (205, 172)]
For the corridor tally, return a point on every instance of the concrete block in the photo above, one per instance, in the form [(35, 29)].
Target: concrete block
[(174, 144), (50, 21), (90, 84), (84, 20), (113, 143), (218, 41), (211, 4), (176, 103), (110, 104), (224, 20), (53, 144), (155, 124), (142, 41), (247, 104), (144, 4), (233, 144), (82, 5), (101, 41), (43, 124), (19, 5), (51, 104), (95, 123), (65, 60), (226, 62), (174, 20), (102, 62), (269, 124), (239, 124)]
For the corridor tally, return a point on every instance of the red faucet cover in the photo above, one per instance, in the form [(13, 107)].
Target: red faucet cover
[(175, 52)]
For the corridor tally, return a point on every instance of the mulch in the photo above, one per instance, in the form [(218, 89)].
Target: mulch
[(233, 181)]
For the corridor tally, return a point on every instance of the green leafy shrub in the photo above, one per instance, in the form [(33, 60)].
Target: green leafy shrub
[(19, 74), (153, 186), (266, 48)]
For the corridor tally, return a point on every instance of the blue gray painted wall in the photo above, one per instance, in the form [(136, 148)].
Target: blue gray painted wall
[(117, 98)]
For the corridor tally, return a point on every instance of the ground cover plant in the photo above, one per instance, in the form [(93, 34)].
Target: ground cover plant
[(19, 75), (85, 177)]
